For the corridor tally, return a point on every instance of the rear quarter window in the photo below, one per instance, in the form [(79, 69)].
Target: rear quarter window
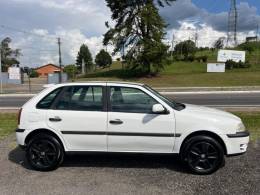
[(47, 101)]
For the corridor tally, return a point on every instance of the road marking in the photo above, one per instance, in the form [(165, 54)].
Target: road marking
[(207, 92), (230, 87), (17, 95), (10, 108), (235, 106)]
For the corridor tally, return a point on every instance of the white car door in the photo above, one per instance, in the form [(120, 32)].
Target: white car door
[(132, 127), (80, 115)]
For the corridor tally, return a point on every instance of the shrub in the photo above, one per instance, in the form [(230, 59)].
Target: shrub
[(71, 70), (33, 74), (230, 64), (191, 58), (177, 58), (202, 58)]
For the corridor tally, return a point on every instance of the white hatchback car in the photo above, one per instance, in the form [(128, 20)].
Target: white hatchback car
[(125, 117)]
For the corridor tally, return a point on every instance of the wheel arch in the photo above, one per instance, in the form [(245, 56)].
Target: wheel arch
[(205, 133), (45, 131)]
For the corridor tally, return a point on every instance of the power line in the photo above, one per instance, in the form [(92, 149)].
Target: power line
[(26, 32), (50, 37)]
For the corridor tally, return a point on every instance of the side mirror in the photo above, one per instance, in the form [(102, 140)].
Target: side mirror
[(158, 109)]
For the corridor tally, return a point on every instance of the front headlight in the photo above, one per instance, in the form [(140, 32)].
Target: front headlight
[(241, 127)]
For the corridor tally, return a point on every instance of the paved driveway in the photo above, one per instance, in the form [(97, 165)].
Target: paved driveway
[(128, 174)]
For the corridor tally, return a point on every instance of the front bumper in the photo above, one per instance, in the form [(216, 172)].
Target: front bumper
[(237, 143), (239, 134)]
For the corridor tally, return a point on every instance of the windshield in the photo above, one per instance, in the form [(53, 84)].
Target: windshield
[(170, 102)]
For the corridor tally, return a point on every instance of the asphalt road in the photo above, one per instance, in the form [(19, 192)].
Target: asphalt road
[(223, 99), (126, 174)]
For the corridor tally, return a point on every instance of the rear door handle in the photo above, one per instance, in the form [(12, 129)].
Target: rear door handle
[(55, 119), (116, 122)]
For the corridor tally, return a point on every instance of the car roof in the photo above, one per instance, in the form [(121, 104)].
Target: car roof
[(99, 82)]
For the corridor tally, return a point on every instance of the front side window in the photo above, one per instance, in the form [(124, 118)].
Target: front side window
[(82, 98), (46, 102), (125, 99)]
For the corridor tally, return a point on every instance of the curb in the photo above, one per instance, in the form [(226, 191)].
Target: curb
[(206, 92), (17, 95)]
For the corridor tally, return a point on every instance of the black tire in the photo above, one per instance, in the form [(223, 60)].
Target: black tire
[(44, 152), (203, 154)]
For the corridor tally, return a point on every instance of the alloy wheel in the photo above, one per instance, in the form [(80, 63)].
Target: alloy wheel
[(203, 156), (43, 153)]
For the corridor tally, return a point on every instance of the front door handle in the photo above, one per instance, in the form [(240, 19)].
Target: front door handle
[(116, 122), (55, 119)]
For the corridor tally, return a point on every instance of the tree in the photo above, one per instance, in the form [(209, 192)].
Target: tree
[(103, 59), (71, 70), (33, 74), (84, 55), (186, 48), (219, 44), (139, 30), (249, 46), (8, 55)]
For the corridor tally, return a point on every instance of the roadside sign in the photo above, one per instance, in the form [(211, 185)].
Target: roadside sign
[(14, 73), (224, 55), (216, 67)]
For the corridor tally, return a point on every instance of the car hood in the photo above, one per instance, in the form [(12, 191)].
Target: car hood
[(210, 112), (194, 118)]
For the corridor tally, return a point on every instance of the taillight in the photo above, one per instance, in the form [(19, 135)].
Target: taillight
[(19, 116)]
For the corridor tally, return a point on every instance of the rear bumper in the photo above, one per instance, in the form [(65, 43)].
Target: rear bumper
[(20, 136), (19, 130), (237, 143)]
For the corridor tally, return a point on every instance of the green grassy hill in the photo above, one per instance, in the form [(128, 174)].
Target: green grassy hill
[(189, 74)]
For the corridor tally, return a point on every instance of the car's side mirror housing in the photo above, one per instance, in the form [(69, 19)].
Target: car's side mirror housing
[(158, 109)]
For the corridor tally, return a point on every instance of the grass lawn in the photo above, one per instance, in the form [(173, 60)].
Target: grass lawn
[(252, 123), (184, 74), (8, 123)]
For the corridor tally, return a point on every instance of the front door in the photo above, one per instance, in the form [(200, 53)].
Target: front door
[(132, 127), (79, 113)]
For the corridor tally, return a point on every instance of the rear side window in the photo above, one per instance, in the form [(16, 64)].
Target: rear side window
[(47, 101), (82, 98)]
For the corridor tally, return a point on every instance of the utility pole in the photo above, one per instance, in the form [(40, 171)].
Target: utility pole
[(59, 44), (257, 43), (123, 58), (257, 32), (173, 40), (196, 37), (83, 67), (1, 79), (29, 79), (172, 49)]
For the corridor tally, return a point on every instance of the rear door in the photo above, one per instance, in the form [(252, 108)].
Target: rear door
[(132, 127), (79, 113)]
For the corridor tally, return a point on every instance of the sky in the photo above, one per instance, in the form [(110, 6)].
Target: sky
[(34, 25)]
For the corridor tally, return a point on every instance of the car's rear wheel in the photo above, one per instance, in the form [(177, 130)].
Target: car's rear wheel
[(44, 152), (203, 154)]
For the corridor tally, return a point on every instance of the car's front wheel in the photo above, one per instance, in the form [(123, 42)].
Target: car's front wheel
[(203, 154), (44, 152)]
